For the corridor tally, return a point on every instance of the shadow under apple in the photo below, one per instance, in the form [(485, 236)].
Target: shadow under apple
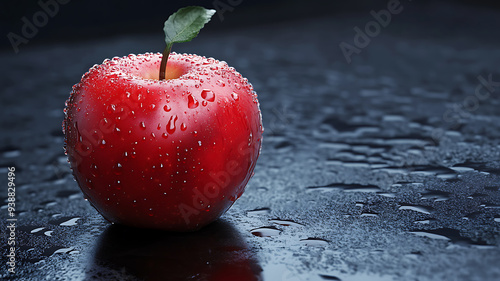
[(216, 252)]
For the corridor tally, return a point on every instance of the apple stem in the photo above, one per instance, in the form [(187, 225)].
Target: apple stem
[(164, 59)]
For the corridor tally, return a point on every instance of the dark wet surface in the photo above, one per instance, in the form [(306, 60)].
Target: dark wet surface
[(368, 170)]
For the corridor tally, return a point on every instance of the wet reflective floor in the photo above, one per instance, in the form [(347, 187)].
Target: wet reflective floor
[(387, 168)]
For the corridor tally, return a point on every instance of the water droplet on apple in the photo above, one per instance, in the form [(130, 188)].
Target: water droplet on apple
[(171, 124), (183, 127), (118, 169), (237, 86), (167, 108), (94, 170), (164, 135), (208, 95), (110, 108), (235, 96), (192, 102), (89, 184), (204, 103), (142, 125), (221, 83)]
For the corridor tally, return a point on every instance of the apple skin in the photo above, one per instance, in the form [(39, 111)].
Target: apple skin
[(172, 154)]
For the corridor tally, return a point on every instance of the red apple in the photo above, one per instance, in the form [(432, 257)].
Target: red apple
[(169, 154)]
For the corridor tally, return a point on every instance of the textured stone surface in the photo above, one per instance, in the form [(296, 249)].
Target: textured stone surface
[(387, 168)]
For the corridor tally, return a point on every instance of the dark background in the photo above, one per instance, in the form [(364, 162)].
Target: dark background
[(83, 20), (350, 152)]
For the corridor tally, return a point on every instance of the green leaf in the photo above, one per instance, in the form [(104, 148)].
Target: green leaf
[(185, 24)]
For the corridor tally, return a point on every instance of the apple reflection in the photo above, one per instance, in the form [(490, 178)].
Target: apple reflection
[(216, 252)]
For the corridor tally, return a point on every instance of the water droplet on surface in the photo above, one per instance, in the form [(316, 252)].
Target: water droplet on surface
[(221, 83), (285, 222), (424, 221), (417, 208), (235, 96), (56, 250), (346, 187), (70, 222), (94, 170), (183, 127), (111, 108), (192, 102), (314, 242), (142, 125), (118, 169), (167, 108), (430, 235), (259, 212), (329, 277), (66, 221), (208, 95), (171, 124), (440, 233), (490, 206), (387, 194), (436, 195), (37, 229), (266, 231), (440, 172), (369, 214)]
